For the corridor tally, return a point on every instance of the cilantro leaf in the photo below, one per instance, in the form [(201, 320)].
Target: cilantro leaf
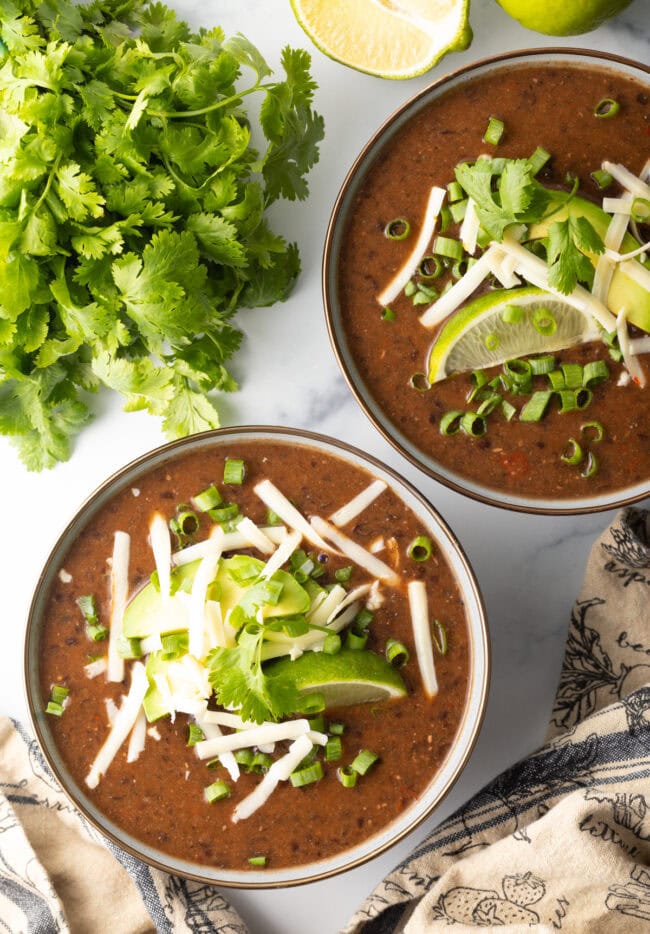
[(239, 681), (503, 195), (133, 226), (568, 263)]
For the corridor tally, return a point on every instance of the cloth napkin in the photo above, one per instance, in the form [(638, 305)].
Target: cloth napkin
[(560, 841)]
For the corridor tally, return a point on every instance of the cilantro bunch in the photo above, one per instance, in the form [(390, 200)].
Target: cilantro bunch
[(132, 211)]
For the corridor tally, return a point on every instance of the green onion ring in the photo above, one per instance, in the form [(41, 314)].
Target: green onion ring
[(419, 382), (397, 229), (450, 422), (473, 424), (420, 548), (544, 322), (307, 776), (606, 108), (397, 653), (573, 453), (439, 637), (492, 341), (598, 431), (430, 267), (347, 776), (363, 761), (591, 467)]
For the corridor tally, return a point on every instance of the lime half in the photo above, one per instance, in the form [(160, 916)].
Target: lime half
[(504, 324), (346, 678), (396, 39), (559, 18)]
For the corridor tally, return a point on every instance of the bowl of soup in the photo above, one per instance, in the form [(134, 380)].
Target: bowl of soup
[(487, 286), (256, 657)]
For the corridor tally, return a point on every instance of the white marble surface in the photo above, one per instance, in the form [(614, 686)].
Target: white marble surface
[(530, 568)]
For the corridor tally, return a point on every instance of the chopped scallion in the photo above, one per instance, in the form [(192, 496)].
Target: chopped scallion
[(473, 424), (343, 574), (591, 467), (224, 513), (439, 637), (606, 108), (450, 422), (216, 791), (387, 314), (194, 734), (544, 322), (363, 761), (207, 499), (420, 548), (332, 643), (356, 641), (420, 382), (573, 453), (602, 179), (234, 471), (640, 212), (594, 372), (535, 407), (347, 776), (540, 366), (337, 729), (445, 246), (593, 431), (397, 229), (257, 860), (333, 749), (430, 267), (494, 131), (397, 653), (538, 159), (454, 192), (308, 775)]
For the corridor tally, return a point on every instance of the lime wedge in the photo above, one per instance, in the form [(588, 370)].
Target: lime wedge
[(396, 39), (346, 678), (478, 336)]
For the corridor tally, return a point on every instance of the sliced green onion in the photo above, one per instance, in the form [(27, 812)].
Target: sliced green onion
[(444, 218), (640, 211), (458, 210), (94, 629), (261, 762), (512, 314), (583, 398), (479, 379), (420, 382), (455, 192), (573, 453), (234, 471), (594, 372), (445, 246), (397, 229), (58, 693), (410, 288), (508, 410), (593, 431), (538, 159), (317, 724), (337, 729), (332, 643), (129, 647), (544, 322), (473, 424), (194, 734), (356, 641), (216, 791), (207, 499), (540, 366), (387, 314), (363, 761), (363, 618), (174, 645), (535, 407), (519, 371), (224, 513), (347, 776), (430, 267), (272, 518), (494, 131), (333, 749), (450, 422), (460, 267), (572, 373), (556, 380), (343, 574), (397, 653), (591, 467), (425, 294), (420, 548), (602, 179), (257, 860), (439, 637), (55, 709), (568, 401), (184, 524), (492, 341), (243, 757), (489, 404), (606, 108), (308, 775)]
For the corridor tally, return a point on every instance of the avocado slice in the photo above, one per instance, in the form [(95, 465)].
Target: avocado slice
[(235, 584), (623, 291), (153, 703)]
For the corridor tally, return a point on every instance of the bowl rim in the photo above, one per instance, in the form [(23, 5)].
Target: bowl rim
[(479, 676), (471, 489)]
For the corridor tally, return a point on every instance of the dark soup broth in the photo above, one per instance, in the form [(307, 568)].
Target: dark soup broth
[(534, 139), (262, 620)]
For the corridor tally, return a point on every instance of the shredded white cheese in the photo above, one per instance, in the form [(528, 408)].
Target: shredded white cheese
[(256, 536), (640, 345), (138, 737), (356, 552), (227, 759), (637, 272), (281, 555), (231, 542), (627, 179), (378, 545), (460, 291), (119, 594), (277, 501), (279, 771), (632, 365), (64, 576), (98, 667), (161, 546), (418, 604), (205, 574), (357, 505), (402, 276), (122, 726), (243, 739), (469, 228)]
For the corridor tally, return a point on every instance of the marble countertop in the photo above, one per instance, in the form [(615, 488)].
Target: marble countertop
[(530, 568)]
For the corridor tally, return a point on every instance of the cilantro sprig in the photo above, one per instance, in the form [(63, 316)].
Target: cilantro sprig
[(132, 211), (506, 193)]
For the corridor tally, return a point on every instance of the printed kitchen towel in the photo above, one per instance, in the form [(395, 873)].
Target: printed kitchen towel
[(560, 841), (59, 875)]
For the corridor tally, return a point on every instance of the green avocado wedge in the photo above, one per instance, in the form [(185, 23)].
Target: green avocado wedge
[(234, 585), (623, 292)]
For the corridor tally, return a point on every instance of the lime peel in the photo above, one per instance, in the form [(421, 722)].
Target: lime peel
[(398, 40)]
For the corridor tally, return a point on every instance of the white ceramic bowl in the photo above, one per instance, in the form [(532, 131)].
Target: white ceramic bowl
[(441, 781)]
